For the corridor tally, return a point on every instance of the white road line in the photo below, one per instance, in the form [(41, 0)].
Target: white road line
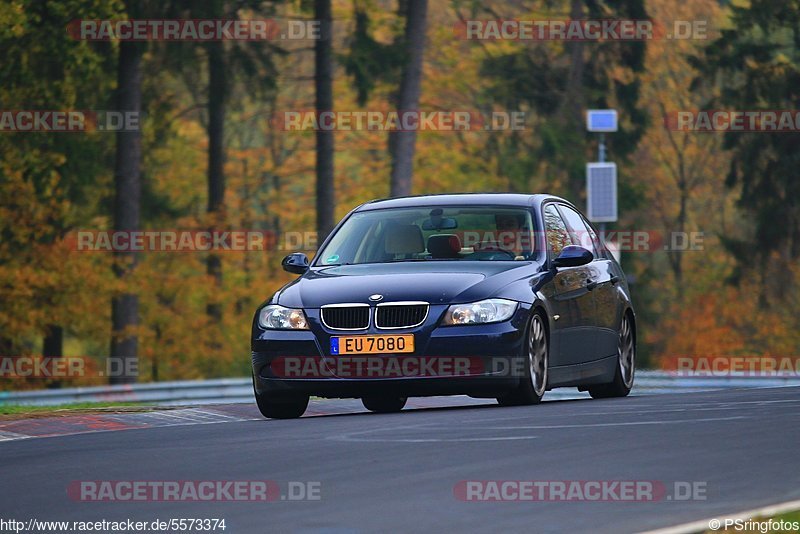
[(11, 436), (431, 440), (217, 414), (354, 436), (628, 411), (702, 525), (627, 423), (634, 412)]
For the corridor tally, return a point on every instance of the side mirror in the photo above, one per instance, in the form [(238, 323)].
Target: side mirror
[(296, 263), (573, 256)]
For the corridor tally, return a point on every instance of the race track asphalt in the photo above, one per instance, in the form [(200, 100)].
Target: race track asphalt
[(402, 472)]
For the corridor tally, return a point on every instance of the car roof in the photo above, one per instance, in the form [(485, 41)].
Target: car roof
[(460, 199)]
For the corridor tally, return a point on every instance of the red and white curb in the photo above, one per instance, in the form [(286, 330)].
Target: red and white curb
[(79, 423), (86, 423)]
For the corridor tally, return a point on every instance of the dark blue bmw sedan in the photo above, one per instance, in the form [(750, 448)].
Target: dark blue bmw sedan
[(491, 295)]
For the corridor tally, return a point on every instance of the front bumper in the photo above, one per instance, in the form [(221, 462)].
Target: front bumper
[(493, 353)]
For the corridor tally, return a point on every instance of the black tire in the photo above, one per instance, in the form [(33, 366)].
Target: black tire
[(384, 404), (280, 408), (536, 352), (626, 364)]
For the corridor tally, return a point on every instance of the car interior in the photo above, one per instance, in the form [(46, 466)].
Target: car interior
[(463, 236)]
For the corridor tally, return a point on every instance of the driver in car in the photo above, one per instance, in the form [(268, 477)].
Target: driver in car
[(512, 235)]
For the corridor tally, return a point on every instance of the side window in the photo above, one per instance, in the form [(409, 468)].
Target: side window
[(578, 230), (555, 230), (598, 246)]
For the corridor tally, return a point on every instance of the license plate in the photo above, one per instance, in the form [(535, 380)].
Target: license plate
[(372, 344)]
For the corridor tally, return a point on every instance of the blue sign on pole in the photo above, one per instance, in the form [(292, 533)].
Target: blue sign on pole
[(601, 120)]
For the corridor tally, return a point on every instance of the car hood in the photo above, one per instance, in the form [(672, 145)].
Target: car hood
[(433, 282)]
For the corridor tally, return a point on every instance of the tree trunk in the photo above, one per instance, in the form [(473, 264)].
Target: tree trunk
[(401, 144), (574, 104), (677, 267), (127, 195), (574, 98), (53, 343), (7, 349), (53, 346), (217, 93), (323, 83)]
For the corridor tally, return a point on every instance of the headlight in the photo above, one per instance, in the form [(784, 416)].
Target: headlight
[(274, 316), (484, 311)]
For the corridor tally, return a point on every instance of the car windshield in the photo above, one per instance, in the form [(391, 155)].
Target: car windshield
[(468, 233)]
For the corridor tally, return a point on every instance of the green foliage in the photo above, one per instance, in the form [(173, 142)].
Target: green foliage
[(555, 82), (49, 183), (369, 61), (757, 65)]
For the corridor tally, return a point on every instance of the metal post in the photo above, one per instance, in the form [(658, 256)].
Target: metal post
[(601, 157), (601, 149)]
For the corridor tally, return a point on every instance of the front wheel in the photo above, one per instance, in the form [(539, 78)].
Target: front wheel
[(280, 408), (534, 383), (626, 355)]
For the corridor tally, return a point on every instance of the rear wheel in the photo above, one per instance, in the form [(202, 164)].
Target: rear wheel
[(384, 404), (282, 407), (534, 383), (626, 364)]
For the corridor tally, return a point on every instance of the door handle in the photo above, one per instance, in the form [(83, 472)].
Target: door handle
[(591, 284)]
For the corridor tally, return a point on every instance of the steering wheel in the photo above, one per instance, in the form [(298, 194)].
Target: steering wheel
[(491, 250)]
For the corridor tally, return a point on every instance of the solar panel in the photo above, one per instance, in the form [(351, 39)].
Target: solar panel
[(601, 192)]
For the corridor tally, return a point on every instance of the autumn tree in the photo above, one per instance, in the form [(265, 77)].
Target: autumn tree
[(554, 82), (756, 63), (51, 182), (680, 166)]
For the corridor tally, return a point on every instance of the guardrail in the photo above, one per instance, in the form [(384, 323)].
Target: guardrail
[(215, 391), (240, 390)]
